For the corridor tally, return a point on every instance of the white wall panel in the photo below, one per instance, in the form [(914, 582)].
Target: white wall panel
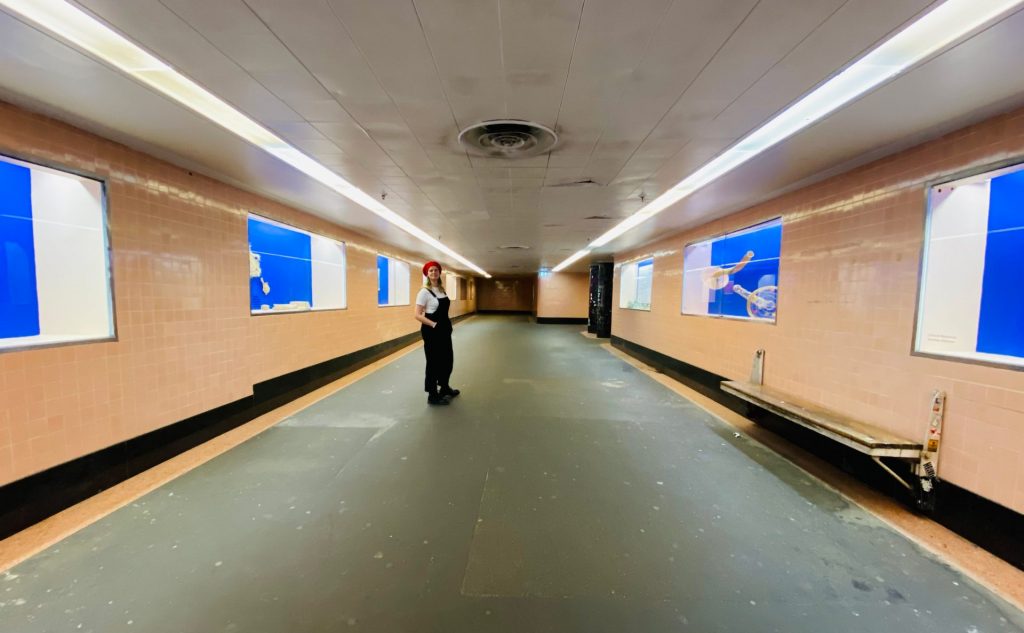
[(696, 259), (329, 281), (951, 298), (71, 255)]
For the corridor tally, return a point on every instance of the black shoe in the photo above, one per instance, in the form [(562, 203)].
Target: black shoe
[(448, 391), (435, 398)]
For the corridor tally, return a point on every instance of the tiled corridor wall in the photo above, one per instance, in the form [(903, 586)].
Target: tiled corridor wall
[(186, 342), (563, 295), (848, 284), (507, 294)]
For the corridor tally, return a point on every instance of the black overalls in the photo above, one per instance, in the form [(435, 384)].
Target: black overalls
[(437, 345)]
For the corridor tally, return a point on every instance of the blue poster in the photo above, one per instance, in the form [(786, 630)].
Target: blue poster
[(735, 275), (1001, 318), (19, 299), (382, 281), (280, 267)]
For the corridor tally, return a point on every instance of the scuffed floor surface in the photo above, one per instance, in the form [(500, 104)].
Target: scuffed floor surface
[(563, 491)]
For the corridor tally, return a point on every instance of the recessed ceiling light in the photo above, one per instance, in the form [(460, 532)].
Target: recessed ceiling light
[(925, 36), (92, 36)]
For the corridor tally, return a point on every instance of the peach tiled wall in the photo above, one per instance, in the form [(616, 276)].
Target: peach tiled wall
[(185, 340), (848, 279), (563, 295), (514, 294)]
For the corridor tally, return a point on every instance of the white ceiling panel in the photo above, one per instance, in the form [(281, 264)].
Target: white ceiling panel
[(465, 40), (238, 33), (612, 39), (768, 34), (641, 93), (157, 28), (389, 37), (315, 35), (537, 39), (857, 134), (854, 28), (686, 39)]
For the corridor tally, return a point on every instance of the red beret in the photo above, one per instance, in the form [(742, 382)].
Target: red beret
[(427, 266)]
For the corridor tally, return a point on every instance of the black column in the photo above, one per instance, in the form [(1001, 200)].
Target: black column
[(600, 318)]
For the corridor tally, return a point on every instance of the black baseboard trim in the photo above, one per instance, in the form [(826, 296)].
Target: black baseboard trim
[(985, 523), (30, 500), (700, 380), (562, 320)]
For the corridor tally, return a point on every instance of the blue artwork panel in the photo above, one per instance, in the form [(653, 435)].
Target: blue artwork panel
[(1006, 202), (745, 270), (282, 272), (1001, 318), (19, 299), (382, 280)]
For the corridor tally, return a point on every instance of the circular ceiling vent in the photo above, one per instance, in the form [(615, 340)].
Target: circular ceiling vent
[(508, 138)]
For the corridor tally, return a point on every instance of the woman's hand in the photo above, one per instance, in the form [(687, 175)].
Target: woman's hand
[(433, 324)]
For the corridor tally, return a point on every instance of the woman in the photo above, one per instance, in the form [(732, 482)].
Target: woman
[(432, 305)]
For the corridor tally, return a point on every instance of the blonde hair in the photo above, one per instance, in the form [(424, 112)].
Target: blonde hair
[(440, 281)]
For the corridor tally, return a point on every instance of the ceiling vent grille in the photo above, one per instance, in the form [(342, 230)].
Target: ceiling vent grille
[(507, 138)]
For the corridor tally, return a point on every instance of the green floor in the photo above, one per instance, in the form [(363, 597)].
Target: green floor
[(563, 491)]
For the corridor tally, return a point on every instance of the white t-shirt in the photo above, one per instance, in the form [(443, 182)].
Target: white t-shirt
[(430, 303)]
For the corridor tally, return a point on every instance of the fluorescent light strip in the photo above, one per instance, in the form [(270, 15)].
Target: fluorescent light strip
[(79, 28), (572, 258), (932, 32)]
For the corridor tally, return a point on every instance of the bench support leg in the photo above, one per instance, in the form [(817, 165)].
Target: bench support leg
[(892, 472), (922, 489)]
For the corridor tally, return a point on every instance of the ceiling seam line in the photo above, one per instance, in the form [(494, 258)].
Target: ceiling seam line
[(565, 87), (618, 99), (247, 73), (257, 81), (690, 84), (782, 59), (366, 60), (501, 56), (568, 70), (230, 59), (447, 97), (325, 89)]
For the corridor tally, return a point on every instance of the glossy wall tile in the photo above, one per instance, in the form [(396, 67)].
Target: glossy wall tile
[(848, 287), (563, 295), (186, 342)]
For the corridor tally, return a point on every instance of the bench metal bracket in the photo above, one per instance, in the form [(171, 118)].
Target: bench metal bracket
[(757, 371), (927, 467)]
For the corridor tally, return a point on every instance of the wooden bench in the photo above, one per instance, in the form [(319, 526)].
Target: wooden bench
[(860, 436), (843, 429)]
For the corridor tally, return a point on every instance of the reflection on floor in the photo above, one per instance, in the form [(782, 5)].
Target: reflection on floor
[(563, 491)]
